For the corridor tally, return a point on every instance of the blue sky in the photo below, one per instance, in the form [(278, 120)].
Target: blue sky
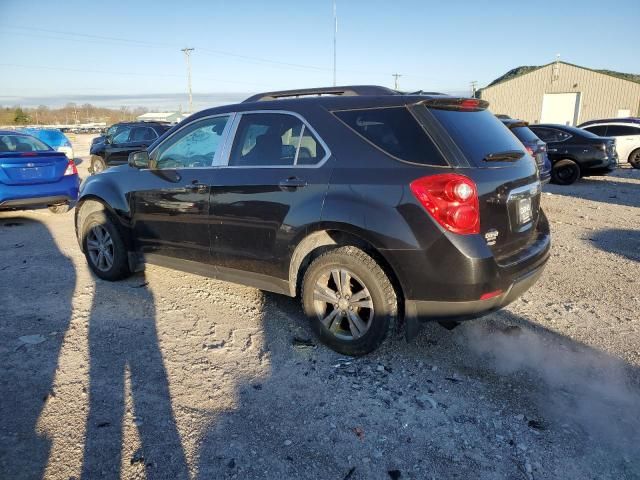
[(126, 52)]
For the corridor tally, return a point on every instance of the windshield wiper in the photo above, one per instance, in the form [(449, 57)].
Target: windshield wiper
[(508, 156)]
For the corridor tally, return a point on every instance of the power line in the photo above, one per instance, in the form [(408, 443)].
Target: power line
[(147, 44)]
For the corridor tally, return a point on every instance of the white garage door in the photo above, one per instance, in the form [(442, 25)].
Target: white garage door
[(562, 108)]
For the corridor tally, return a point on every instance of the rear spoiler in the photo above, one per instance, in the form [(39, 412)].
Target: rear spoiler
[(455, 103)]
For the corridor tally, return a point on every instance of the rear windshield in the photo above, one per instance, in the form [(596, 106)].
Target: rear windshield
[(477, 133), (525, 134), (395, 131), (21, 143)]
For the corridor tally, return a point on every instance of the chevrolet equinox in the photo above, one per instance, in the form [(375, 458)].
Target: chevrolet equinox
[(373, 206)]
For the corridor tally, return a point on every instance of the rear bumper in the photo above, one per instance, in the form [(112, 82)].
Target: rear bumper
[(63, 191), (449, 280), (435, 310)]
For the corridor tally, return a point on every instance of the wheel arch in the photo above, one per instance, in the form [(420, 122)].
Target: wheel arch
[(91, 203), (330, 237)]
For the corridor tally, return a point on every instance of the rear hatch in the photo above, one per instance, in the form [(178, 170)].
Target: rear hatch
[(483, 149), (28, 168)]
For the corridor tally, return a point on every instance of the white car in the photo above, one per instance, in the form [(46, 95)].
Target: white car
[(627, 135)]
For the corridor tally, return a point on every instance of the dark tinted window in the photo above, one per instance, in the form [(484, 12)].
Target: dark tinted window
[(551, 134), (600, 130), (525, 134), (395, 131), (621, 130), (477, 134), (271, 139)]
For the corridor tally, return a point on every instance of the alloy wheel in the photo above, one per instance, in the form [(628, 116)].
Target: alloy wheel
[(100, 248), (343, 304)]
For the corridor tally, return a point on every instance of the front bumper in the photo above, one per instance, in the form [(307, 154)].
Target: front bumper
[(19, 196)]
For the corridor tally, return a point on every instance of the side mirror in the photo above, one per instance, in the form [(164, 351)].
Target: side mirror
[(139, 159), (107, 139)]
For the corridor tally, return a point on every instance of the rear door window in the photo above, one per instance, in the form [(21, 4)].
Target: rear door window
[(477, 133), (274, 139), (622, 130), (551, 134), (396, 132)]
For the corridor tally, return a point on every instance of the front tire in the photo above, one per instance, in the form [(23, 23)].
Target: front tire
[(103, 247), (98, 165), (565, 172), (350, 301), (634, 158)]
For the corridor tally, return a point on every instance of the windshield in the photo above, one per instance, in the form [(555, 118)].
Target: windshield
[(477, 133), (53, 138), (21, 143)]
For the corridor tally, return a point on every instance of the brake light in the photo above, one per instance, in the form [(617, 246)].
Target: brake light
[(29, 154), (469, 104), (71, 169), (451, 199)]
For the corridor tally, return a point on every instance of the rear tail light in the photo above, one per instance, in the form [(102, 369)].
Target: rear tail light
[(451, 199), (71, 168), (530, 150)]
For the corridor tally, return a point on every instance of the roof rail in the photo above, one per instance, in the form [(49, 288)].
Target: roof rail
[(348, 91)]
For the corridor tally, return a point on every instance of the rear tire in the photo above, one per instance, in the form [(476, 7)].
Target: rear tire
[(64, 208), (349, 300), (565, 172), (103, 247), (97, 165), (634, 158)]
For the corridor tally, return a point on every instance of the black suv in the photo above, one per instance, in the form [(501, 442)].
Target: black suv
[(576, 153), (372, 206), (121, 139)]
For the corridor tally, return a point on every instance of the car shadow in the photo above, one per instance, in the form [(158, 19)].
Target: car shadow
[(32, 336), (486, 400), (623, 242), (128, 385), (612, 189)]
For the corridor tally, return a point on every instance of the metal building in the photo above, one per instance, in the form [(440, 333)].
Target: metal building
[(564, 93)]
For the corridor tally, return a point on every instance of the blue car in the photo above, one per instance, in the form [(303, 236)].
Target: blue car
[(52, 137), (32, 174)]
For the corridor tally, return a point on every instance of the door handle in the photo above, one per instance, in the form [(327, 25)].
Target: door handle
[(197, 187), (292, 183)]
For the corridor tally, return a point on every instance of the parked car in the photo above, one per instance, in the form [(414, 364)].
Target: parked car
[(575, 152), (536, 147), (372, 206), (33, 174), (54, 138), (127, 138), (625, 131), (116, 128)]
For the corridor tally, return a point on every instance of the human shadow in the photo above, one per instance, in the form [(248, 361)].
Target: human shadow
[(612, 189), (32, 333), (125, 357), (446, 406), (623, 242)]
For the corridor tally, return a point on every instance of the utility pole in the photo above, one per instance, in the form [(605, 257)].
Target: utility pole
[(395, 76), (335, 35), (474, 86), (187, 55)]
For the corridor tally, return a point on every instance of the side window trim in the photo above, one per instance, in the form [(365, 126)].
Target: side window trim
[(217, 158), (306, 126)]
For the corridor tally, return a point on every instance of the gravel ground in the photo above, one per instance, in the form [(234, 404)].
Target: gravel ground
[(169, 375)]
